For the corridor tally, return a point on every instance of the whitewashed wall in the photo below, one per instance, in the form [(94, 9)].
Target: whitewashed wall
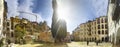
[(111, 27), (114, 32), (1, 15)]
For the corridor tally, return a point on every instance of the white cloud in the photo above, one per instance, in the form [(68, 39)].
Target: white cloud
[(25, 7), (24, 10), (12, 8), (76, 14), (100, 7)]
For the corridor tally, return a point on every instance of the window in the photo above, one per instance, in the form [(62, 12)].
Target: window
[(102, 20), (95, 38), (106, 32), (8, 29), (12, 25), (98, 21), (94, 22), (12, 35), (98, 26), (106, 26), (99, 32), (102, 31), (102, 26), (102, 38), (7, 23)]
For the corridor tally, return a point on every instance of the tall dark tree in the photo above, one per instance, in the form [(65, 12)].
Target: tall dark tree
[(54, 18), (61, 31), (58, 27)]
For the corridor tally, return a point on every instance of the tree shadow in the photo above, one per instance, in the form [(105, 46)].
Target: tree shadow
[(54, 45)]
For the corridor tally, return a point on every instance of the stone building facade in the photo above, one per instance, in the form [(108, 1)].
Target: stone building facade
[(102, 28), (76, 35), (96, 30)]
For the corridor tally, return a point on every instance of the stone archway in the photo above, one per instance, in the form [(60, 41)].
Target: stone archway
[(106, 39), (102, 39)]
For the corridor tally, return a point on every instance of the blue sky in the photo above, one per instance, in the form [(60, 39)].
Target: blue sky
[(79, 11)]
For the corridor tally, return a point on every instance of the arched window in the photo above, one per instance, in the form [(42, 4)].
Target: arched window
[(99, 32), (98, 26), (102, 20), (12, 34), (106, 32), (102, 26), (102, 31)]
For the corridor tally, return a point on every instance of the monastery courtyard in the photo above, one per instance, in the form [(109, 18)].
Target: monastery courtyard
[(72, 44)]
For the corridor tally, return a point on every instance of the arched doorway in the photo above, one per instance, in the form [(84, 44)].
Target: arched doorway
[(102, 39), (106, 39)]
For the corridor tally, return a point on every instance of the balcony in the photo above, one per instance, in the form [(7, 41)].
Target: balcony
[(116, 11)]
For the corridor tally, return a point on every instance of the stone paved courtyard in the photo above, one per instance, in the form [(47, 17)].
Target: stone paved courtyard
[(91, 44), (72, 44)]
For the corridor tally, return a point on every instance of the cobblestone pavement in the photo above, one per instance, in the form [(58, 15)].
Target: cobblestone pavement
[(72, 44)]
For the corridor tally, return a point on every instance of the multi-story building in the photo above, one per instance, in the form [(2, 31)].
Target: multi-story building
[(32, 29), (76, 34), (9, 32), (93, 30), (82, 29), (96, 30), (102, 28), (114, 20), (45, 36), (14, 22)]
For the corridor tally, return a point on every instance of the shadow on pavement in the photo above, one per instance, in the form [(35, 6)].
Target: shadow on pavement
[(54, 45), (118, 45)]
